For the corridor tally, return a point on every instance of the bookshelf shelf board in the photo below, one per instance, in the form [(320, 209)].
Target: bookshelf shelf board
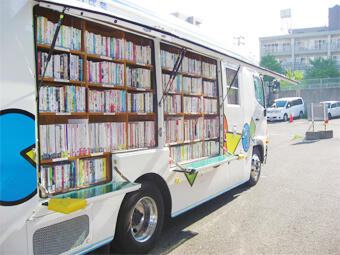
[(59, 49), (128, 62), (208, 78), (211, 138), (193, 75), (193, 114), (108, 86), (107, 113), (60, 80), (41, 114), (140, 89), (178, 114), (212, 97), (99, 57), (54, 160), (141, 113), (211, 114), (191, 95)]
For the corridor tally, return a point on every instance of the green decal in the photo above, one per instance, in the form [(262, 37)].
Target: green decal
[(252, 129), (191, 177)]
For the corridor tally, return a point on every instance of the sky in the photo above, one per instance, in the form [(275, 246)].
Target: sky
[(225, 20)]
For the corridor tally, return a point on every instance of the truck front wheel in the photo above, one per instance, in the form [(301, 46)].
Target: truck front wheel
[(140, 219), (255, 170)]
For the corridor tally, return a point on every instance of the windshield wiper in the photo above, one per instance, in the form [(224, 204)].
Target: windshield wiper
[(231, 83), (174, 72)]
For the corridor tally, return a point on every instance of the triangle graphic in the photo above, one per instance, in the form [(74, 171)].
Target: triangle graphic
[(29, 154), (191, 177), (232, 142), (252, 129)]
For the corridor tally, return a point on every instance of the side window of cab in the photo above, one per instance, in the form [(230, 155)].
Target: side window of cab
[(259, 92)]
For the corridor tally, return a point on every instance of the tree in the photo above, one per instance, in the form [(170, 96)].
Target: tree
[(271, 63), (322, 68), (296, 75)]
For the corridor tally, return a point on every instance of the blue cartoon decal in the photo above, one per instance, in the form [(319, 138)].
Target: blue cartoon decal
[(246, 137), (18, 179)]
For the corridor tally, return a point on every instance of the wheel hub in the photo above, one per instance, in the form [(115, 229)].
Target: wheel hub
[(255, 167), (144, 219)]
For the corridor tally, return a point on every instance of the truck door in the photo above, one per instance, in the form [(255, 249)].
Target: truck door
[(259, 115), (233, 106)]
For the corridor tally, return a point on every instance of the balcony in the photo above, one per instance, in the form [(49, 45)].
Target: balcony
[(320, 49), (278, 51)]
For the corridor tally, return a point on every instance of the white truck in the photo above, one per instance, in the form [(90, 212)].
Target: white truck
[(113, 119)]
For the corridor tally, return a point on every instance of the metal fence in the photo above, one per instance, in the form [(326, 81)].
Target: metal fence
[(314, 84)]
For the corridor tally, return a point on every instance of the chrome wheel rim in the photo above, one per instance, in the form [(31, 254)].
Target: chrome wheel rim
[(144, 219), (255, 167)]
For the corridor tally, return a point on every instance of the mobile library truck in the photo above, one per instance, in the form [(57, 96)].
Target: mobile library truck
[(113, 119)]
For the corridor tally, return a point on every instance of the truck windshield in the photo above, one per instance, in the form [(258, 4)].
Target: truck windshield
[(278, 104)]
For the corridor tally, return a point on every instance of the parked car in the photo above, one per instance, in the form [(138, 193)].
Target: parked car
[(283, 108), (333, 108)]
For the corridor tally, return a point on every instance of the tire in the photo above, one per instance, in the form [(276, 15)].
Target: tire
[(140, 220), (301, 115), (255, 170), (329, 116), (285, 117)]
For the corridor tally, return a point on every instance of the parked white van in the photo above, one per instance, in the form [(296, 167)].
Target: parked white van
[(333, 108), (282, 108)]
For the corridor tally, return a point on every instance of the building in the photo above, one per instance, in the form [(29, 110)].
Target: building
[(295, 49)]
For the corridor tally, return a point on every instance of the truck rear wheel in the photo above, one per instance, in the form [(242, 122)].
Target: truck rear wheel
[(140, 220), (255, 170)]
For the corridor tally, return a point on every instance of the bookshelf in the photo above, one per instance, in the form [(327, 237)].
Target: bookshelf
[(191, 117), (97, 98)]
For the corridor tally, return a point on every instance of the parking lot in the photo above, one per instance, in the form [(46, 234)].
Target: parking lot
[(294, 209)]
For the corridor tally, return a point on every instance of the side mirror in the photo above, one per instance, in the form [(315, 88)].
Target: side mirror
[(265, 112), (288, 106)]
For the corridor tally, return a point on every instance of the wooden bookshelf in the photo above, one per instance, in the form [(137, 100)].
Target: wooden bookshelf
[(202, 69), (83, 49)]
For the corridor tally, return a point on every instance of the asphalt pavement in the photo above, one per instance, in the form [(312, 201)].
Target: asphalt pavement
[(294, 208)]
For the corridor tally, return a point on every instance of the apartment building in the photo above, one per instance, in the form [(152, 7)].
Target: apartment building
[(295, 50)]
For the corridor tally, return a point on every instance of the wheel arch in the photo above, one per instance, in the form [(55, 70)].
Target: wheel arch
[(260, 149), (162, 186)]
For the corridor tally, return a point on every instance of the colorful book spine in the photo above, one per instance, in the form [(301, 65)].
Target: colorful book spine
[(175, 86), (107, 101), (209, 70), (209, 88), (105, 72), (192, 105), (211, 129), (61, 66), (211, 148), (63, 140), (107, 137), (140, 102), (193, 129), (62, 99), (210, 106), (141, 134), (68, 37), (138, 78), (173, 130), (58, 177), (173, 104), (187, 152)]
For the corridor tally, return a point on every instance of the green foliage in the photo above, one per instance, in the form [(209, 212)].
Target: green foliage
[(271, 63), (322, 68), (296, 75)]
